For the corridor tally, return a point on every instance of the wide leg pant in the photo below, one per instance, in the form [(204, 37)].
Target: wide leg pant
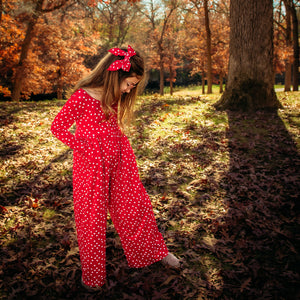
[(113, 184)]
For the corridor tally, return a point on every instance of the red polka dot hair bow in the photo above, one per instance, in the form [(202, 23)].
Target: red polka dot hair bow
[(122, 63)]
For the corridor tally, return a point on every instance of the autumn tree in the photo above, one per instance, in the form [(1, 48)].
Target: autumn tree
[(158, 18), (220, 41), (194, 47), (291, 17), (55, 59), (288, 39), (208, 47), (30, 14), (220, 53), (44, 44), (250, 83), (197, 44), (283, 50), (175, 37), (11, 37), (58, 51), (114, 19), (201, 8)]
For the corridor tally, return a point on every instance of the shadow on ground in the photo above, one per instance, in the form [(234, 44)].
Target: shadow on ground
[(258, 238)]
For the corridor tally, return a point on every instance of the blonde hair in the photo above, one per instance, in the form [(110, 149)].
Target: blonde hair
[(110, 81)]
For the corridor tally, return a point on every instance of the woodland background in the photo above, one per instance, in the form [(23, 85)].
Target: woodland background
[(46, 46)]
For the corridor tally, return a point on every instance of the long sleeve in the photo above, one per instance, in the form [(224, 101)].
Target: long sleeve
[(69, 114)]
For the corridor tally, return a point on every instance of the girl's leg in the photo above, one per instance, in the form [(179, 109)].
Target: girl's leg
[(132, 214), (133, 218), (90, 217)]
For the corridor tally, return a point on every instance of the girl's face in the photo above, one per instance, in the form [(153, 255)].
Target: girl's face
[(128, 84)]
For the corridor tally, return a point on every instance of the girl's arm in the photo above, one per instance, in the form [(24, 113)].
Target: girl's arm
[(69, 114)]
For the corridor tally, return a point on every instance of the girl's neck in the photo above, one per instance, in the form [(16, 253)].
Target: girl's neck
[(96, 93)]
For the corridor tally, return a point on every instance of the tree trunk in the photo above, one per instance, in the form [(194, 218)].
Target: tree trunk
[(172, 76), (19, 75), (161, 80), (288, 66), (251, 75), (288, 76), (161, 76), (59, 91), (221, 83), (208, 49), (296, 48), (171, 87), (203, 83)]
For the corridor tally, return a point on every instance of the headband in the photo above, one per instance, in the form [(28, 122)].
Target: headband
[(122, 63)]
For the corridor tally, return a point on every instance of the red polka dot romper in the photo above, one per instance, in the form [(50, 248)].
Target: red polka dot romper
[(105, 176)]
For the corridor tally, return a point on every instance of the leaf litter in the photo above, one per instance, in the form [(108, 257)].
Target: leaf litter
[(224, 188)]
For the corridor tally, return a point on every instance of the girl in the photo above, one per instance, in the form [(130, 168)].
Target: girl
[(105, 174)]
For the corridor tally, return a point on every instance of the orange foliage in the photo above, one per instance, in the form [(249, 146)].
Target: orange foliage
[(11, 37), (5, 91), (282, 54), (55, 61), (55, 58), (283, 51)]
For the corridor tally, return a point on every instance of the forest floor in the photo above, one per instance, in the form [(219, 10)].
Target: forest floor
[(224, 188)]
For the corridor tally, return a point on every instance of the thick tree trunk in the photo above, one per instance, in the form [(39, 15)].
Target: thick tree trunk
[(208, 48), (251, 75)]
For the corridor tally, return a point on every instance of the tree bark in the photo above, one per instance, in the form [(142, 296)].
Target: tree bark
[(208, 48), (251, 75)]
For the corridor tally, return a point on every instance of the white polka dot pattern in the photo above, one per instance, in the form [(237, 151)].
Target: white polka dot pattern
[(105, 177)]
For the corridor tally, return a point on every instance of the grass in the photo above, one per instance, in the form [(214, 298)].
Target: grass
[(196, 90), (49, 214), (223, 187)]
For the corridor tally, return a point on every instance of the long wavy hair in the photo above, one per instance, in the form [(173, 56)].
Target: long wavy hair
[(110, 81)]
